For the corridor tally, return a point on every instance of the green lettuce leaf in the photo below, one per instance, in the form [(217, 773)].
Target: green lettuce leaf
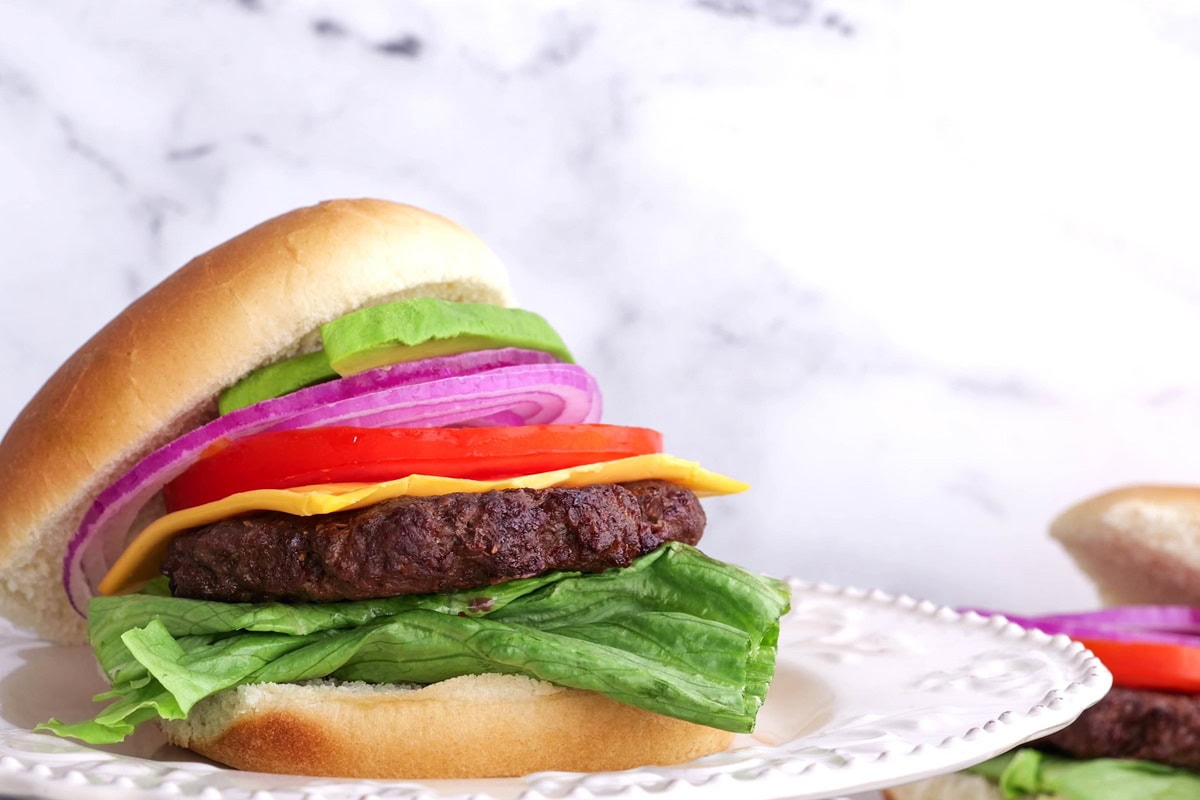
[(1028, 773), (676, 633)]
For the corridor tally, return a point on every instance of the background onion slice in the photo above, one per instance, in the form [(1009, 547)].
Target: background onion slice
[(506, 386), (1178, 625)]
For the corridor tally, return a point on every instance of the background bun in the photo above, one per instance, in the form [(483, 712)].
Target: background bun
[(1140, 545), (154, 372), (474, 726)]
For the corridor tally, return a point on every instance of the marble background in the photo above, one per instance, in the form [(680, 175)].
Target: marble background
[(924, 273)]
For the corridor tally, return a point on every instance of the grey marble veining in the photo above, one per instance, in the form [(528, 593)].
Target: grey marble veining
[(923, 273)]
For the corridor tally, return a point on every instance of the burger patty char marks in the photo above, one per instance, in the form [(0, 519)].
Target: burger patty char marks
[(1136, 723), (419, 545)]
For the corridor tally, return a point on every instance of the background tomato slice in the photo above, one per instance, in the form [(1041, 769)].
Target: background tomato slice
[(284, 459), (1149, 665)]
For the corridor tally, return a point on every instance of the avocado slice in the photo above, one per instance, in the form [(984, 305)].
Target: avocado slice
[(276, 380), (424, 327), (393, 333)]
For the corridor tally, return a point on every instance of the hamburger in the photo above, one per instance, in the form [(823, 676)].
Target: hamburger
[(1141, 547), (324, 503)]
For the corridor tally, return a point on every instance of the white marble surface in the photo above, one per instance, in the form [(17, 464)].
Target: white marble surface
[(924, 273)]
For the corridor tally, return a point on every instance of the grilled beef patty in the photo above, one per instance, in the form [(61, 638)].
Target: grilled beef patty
[(1135, 723), (418, 545)]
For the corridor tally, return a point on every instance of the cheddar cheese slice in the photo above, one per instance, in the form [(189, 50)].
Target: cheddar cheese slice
[(142, 559)]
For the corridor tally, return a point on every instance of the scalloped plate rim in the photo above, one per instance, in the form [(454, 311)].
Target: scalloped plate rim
[(80, 772)]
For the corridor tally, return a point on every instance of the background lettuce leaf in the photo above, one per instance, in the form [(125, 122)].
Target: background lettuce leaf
[(677, 633), (1029, 773)]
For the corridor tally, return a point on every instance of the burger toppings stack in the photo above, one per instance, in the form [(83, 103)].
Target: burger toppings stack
[(1143, 738)]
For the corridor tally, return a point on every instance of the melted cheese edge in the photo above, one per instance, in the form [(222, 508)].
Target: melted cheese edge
[(143, 557)]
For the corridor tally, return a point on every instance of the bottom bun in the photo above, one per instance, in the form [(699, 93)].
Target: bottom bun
[(476, 726), (959, 786)]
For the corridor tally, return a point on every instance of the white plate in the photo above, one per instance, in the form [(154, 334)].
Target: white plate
[(871, 691)]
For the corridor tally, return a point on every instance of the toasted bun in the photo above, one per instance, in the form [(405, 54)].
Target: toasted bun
[(478, 726), (959, 786), (154, 372), (1140, 545)]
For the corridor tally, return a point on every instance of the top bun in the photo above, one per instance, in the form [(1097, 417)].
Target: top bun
[(1140, 544), (154, 372)]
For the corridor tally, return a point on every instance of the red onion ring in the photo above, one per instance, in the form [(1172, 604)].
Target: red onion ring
[(1177, 625)]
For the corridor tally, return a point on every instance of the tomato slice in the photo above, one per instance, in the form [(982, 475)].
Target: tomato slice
[(285, 459), (1149, 665)]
